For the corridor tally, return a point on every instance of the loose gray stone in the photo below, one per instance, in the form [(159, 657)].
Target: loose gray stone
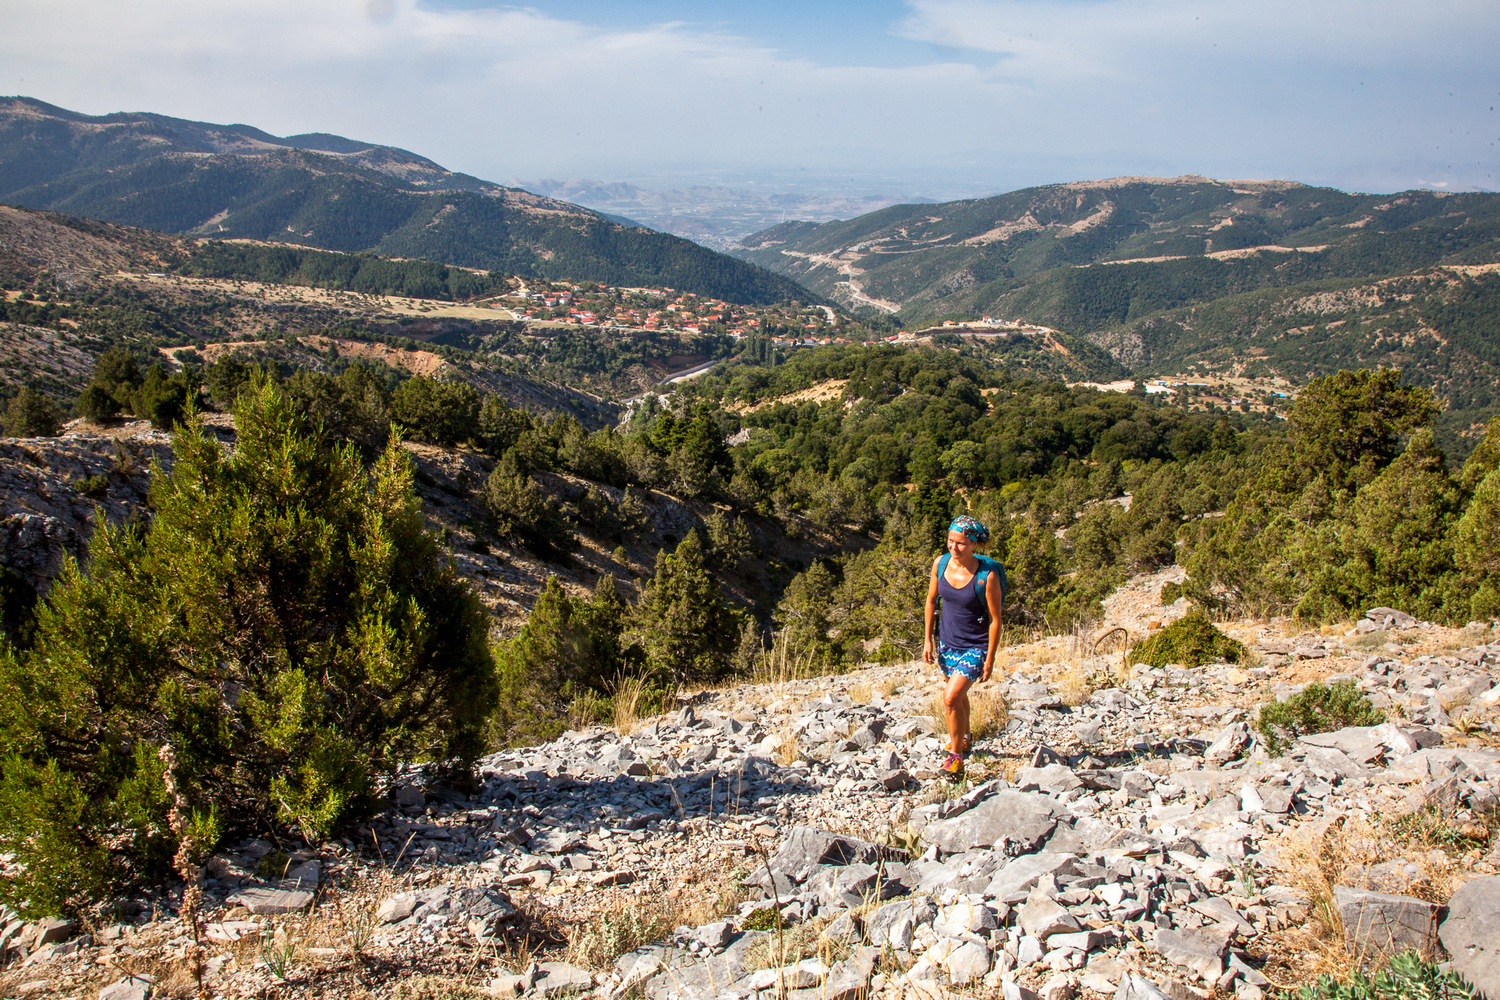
[(1471, 933), (1134, 987), (488, 910), (129, 988), (1379, 925), (1054, 778), (558, 978), (715, 935), (1199, 950), (1220, 910), (1012, 990), (968, 962), (51, 930), (806, 847), (1229, 744), (1021, 874), (850, 979), (394, 908), (894, 923), (1012, 822), (965, 918), (266, 900), (1043, 916)]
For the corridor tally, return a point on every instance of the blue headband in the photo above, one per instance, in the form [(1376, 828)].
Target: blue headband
[(970, 529)]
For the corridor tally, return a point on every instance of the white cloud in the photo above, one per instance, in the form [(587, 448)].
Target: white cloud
[(1327, 91)]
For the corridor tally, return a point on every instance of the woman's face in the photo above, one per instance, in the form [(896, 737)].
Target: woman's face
[(960, 544)]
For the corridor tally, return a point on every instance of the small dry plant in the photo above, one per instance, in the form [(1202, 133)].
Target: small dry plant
[(436, 988), (788, 752), (860, 692), (624, 927), (988, 713), (628, 695), (718, 895), (781, 664)]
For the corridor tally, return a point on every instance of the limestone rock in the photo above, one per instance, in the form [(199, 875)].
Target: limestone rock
[(968, 962), (1379, 925), (1012, 822), (129, 988), (1471, 933), (1199, 950)]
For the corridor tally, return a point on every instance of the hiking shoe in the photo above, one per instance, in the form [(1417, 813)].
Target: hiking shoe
[(968, 745), (953, 767)]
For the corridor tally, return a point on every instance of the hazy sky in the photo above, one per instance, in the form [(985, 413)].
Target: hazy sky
[(926, 96)]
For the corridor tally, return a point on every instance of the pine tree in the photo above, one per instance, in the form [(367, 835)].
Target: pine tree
[(685, 626), (31, 414), (285, 626)]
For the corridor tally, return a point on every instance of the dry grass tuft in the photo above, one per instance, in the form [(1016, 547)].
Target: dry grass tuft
[(788, 752), (436, 988), (988, 714), (860, 692), (624, 927), (1075, 685), (794, 944), (629, 692)]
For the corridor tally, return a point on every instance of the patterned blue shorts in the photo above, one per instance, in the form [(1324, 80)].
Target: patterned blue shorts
[(965, 662)]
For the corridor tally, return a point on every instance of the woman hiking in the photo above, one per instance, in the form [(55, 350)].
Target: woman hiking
[(972, 588)]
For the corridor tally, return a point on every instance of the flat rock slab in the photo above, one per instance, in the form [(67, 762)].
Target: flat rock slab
[(129, 988), (806, 847), (560, 978), (1379, 925), (1021, 875), (1133, 987), (268, 900), (1471, 933), (1012, 822), (1199, 950)]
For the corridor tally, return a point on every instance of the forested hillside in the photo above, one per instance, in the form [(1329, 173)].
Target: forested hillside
[(336, 194), (1192, 276)]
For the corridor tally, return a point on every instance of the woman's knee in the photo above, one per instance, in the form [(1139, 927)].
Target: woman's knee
[(956, 698)]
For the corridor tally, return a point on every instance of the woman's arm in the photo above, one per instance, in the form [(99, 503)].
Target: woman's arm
[(928, 654), (996, 600)]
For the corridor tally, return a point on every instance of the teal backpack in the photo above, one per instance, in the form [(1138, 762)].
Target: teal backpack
[(986, 567)]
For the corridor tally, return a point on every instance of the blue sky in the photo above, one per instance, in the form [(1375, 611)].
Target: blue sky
[(914, 97)]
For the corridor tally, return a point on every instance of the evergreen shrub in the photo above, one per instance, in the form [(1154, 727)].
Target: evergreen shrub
[(1317, 708), (285, 630), (1191, 640), (1407, 976)]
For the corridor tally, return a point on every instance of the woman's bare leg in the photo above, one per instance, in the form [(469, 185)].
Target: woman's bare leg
[(956, 705)]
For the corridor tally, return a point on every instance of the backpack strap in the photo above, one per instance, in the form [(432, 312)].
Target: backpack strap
[(986, 567)]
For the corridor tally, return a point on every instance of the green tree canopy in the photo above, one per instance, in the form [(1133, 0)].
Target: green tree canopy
[(685, 626), (286, 625)]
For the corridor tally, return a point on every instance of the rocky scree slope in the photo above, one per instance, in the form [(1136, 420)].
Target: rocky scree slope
[(1134, 841)]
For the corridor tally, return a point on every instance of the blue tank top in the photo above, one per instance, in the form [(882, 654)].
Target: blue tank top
[(965, 620)]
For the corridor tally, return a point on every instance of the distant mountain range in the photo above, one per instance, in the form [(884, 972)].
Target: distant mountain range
[(334, 193), (715, 216), (988, 254), (1184, 274)]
